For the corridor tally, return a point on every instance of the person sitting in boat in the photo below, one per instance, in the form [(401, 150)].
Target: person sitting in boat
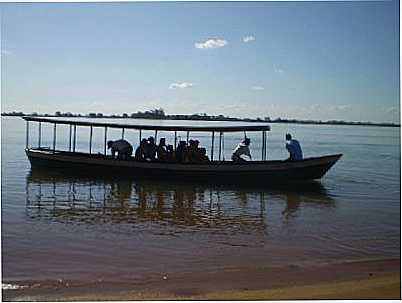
[(294, 149), (162, 150), (170, 155), (203, 155), (140, 151), (242, 149), (150, 149), (192, 153), (196, 151), (181, 151), (123, 149)]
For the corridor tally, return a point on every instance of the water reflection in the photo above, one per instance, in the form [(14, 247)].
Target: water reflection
[(63, 198)]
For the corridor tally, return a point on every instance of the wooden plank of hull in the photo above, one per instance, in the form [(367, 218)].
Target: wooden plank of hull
[(308, 169)]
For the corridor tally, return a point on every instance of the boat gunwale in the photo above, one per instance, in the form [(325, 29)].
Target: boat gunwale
[(232, 128)]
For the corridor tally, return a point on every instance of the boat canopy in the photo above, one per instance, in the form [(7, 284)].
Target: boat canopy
[(192, 128)]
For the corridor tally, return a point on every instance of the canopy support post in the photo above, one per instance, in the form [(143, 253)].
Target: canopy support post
[(90, 139), (54, 137), (74, 137), (175, 140), (27, 135), (140, 136), (104, 147), (262, 146), (156, 136), (220, 145), (188, 136), (122, 133), (212, 146), (40, 134), (69, 141), (265, 150), (223, 146)]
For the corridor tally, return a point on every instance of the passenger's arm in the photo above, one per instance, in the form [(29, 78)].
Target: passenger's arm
[(248, 153)]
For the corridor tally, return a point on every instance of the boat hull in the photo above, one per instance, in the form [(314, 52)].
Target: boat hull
[(253, 171)]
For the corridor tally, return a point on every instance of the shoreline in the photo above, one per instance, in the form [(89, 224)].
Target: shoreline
[(215, 119), (376, 279)]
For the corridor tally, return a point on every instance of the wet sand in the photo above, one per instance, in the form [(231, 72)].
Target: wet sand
[(375, 279)]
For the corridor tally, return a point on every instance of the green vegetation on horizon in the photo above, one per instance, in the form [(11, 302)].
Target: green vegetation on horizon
[(160, 114)]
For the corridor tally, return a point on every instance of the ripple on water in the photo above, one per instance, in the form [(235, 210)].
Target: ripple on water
[(7, 286)]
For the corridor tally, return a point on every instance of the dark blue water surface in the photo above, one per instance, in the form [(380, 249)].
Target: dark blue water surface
[(56, 226)]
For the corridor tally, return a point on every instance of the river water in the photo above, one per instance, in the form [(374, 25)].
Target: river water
[(56, 226)]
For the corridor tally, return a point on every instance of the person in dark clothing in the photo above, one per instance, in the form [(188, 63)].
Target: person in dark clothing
[(150, 149), (122, 147), (294, 148), (192, 153), (171, 155), (181, 151), (203, 155), (140, 151), (162, 150), (195, 153)]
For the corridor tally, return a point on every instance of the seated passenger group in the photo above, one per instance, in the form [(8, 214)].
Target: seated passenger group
[(149, 151), (189, 153)]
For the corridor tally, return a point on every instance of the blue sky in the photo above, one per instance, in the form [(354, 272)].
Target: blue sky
[(305, 60)]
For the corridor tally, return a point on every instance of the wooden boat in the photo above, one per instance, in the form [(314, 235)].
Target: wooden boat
[(217, 169)]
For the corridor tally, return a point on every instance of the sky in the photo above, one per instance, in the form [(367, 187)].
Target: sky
[(299, 60)]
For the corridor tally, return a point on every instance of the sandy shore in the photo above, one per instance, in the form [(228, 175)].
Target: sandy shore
[(377, 279)]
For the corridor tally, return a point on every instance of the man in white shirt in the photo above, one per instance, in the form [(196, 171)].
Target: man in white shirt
[(123, 149), (241, 149), (294, 149)]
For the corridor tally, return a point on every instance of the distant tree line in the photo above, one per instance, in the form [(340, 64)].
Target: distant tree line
[(160, 114)]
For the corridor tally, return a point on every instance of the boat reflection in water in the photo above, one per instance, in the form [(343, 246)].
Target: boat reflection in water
[(56, 196)]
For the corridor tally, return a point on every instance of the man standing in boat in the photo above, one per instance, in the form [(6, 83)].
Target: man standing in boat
[(294, 149), (242, 149), (123, 149)]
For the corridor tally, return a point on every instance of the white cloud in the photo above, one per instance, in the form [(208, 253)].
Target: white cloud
[(315, 108), (248, 39), (341, 107), (180, 85), (279, 70), (322, 108), (211, 43), (257, 88)]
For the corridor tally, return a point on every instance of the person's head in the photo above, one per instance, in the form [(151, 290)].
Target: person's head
[(151, 140), (288, 137), (246, 141), (170, 148), (191, 142), (109, 144), (162, 141), (143, 142), (196, 143), (203, 151), (182, 143)]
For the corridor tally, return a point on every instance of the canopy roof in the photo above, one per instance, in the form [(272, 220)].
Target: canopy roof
[(231, 128)]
